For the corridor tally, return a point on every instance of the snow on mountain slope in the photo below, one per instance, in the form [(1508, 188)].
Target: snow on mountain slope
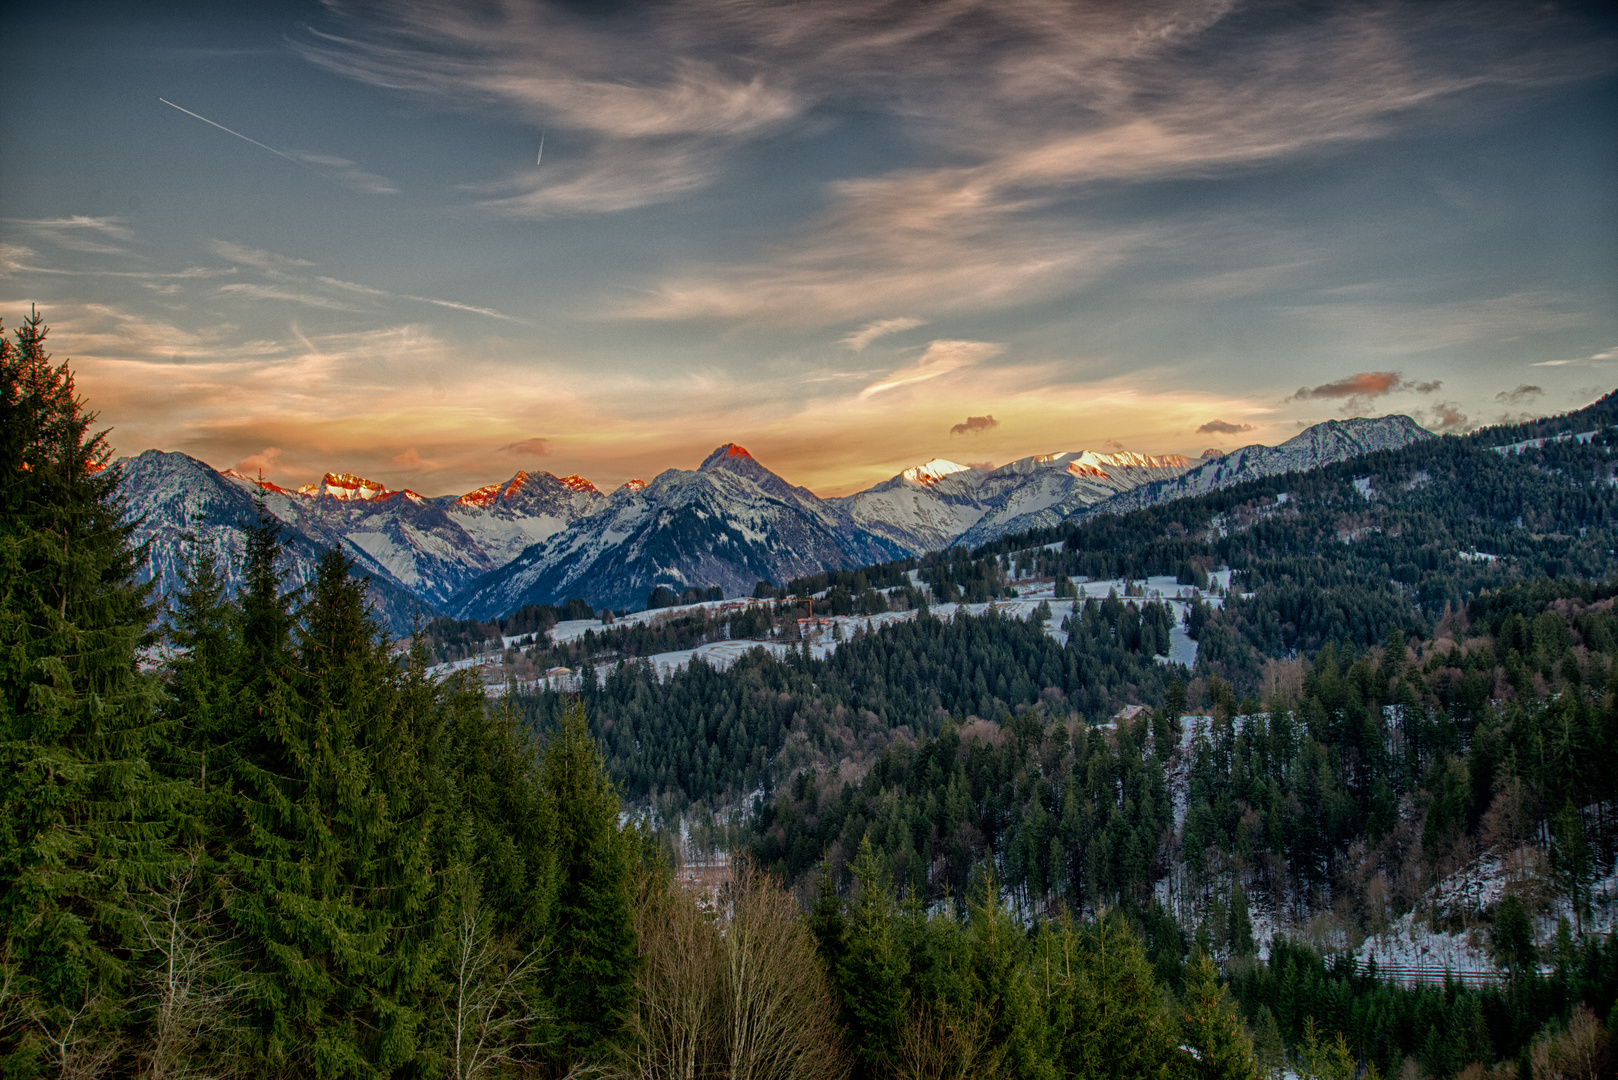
[(1035, 492), (428, 548), (506, 518), (922, 509), (938, 504), (1323, 444), (183, 507), (730, 523)]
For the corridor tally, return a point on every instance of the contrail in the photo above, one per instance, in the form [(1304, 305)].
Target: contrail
[(541, 156), (255, 142)]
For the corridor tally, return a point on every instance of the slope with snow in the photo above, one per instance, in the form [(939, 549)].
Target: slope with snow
[(1324, 444), (182, 508), (1037, 492), (730, 523)]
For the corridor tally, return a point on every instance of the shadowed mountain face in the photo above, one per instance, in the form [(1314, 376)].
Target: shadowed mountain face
[(183, 508), (730, 523), (538, 538), (941, 504), (1323, 444)]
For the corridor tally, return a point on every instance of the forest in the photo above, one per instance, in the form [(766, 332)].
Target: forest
[(249, 835)]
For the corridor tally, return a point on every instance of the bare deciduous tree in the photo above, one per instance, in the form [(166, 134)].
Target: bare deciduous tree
[(491, 1005), (189, 992), (731, 989), (79, 1044)]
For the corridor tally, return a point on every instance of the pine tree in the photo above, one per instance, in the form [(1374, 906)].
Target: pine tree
[(77, 800), (593, 938), (1106, 1014), (1212, 1032), (328, 879), (870, 977)]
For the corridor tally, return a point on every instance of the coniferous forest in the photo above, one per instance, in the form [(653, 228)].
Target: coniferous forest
[(248, 835)]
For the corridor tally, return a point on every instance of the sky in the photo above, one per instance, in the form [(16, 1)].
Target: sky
[(850, 235)]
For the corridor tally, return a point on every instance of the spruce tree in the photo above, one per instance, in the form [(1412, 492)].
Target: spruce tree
[(1212, 1033), (328, 879), (871, 975), (78, 817), (593, 938)]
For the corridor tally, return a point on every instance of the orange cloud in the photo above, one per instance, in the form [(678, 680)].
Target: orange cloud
[(1366, 384)]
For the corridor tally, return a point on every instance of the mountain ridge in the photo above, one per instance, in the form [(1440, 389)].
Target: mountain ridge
[(731, 521)]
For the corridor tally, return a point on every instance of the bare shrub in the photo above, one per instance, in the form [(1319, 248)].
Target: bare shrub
[(732, 991), (1582, 1052), (938, 1045)]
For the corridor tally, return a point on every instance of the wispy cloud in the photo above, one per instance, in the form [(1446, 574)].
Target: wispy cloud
[(1519, 395), (250, 290), (257, 257), (332, 168), (348, 173), (868, 333), (526, 448), (78, 232), (654, 114), (940, 358), (1594, 358), (456, 305), (1447, 416)]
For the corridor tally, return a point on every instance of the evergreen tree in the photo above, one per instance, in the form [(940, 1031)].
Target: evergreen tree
[(870, 977), (593, 937), (329, 879), (1106, 1013), (1212, 1032), (77, 801)]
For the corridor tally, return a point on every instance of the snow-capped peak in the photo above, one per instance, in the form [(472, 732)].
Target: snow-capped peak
[(578, 483), (346, 486), (253, 481), (1090, 463), (483, 497), (933, 471), (728, 452), (634, 485)]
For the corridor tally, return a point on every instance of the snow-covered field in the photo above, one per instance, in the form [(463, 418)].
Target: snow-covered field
[(828, 631)]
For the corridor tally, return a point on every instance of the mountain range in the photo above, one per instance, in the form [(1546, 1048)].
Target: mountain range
[(538, 538)]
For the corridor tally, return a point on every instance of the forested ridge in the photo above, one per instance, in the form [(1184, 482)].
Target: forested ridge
[(248, 835)]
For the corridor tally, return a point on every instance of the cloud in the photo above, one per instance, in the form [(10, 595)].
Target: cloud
[(248, 256), (980, 466), (266, 461), (527, 448), (868, 333), (1514, 397), (973, 425), (255, 291), (941, 358), (349, 174), (1603, 355), (1366, 384), (81, 232), (1223, 427), (652, 111), (1446, 416), (1065, 101), (410, 459), (454, 304)]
